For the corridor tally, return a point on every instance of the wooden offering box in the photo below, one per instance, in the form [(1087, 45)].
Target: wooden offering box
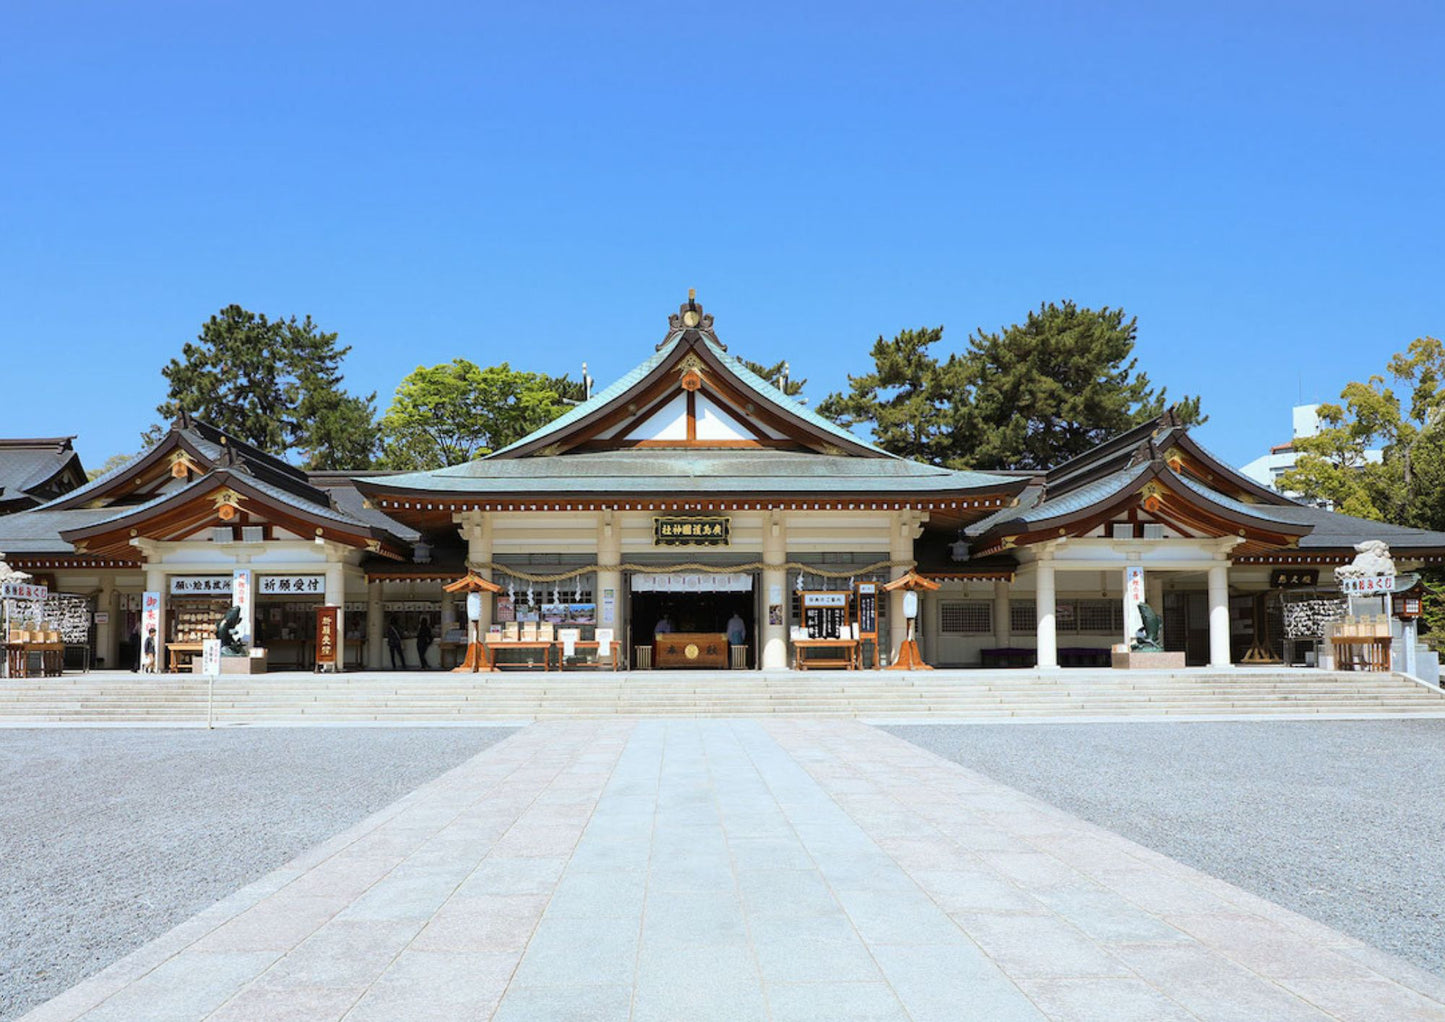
[(690, 649)]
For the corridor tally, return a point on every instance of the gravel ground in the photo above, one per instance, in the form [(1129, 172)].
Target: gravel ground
[(1342, 821), (108, 838)]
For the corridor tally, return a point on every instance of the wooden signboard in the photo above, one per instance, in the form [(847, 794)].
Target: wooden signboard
[(690, 531), (825, 615), (1294, 578), (868, 610), (328, 638)]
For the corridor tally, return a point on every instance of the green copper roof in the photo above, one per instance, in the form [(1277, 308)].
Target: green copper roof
[(665, 471)]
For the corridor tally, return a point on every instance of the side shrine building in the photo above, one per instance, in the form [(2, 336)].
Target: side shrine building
[(692, 515)]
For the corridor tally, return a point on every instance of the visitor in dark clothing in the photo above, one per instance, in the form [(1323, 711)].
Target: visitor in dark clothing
[(393, 643)]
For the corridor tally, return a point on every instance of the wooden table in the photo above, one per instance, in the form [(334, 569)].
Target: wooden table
[(17, 658), (600, 664), (545, 645), (1362, 652), (690, 649), (845, 653), (176, 650)]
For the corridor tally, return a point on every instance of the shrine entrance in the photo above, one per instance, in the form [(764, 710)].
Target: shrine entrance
[(682, 621)]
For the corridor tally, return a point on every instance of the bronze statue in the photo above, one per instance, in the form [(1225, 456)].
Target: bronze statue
[(231, 643), (1148, 638)]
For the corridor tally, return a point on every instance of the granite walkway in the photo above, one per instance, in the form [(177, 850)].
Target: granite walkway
[(740, 870)]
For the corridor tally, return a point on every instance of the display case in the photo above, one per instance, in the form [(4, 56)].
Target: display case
[(192, 620)]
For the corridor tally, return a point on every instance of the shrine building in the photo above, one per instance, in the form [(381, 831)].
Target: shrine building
[(693, 499)]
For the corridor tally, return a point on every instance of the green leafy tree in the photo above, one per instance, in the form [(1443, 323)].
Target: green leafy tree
[(1027, 397), (903, 400), (791, 387), (276, 384), (1041, 392), (1406, 486), (109, 464), (450, 413)]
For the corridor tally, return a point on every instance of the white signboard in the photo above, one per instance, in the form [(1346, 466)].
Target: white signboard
[(604, 643), (713, 582), (211, 657), (825, 599), (609, 606), (1133, 596), (242, 597), (200, 585), (23, 591), (569, 637), (292, 585), (1368, 585)]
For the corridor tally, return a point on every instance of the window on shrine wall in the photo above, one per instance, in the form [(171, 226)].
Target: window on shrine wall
[(1099, 615), (1021, 617), (965, 617)]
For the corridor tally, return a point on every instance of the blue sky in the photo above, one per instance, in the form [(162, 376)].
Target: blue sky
[(1259, 183)]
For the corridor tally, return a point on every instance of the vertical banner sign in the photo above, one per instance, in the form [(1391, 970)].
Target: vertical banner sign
[(241, 596), (1133, 596), (150, 617), (327, 636)]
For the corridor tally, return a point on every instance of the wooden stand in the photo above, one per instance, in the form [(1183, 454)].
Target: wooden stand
[(909, 659), (477, 658)]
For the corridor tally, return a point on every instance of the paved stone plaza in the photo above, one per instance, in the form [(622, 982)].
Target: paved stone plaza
[(740, 870), (111, 836), (1342, 821)]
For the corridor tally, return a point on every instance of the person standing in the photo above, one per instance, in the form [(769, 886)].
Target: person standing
[(423, 641), (148, 658), (737, 630), (393, 643)]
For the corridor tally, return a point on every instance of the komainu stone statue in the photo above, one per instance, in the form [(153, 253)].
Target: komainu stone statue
[(1148, 639), (231, 644), (1372, 557)]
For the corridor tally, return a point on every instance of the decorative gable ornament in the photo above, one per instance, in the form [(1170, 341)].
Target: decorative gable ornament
[(228, 503)]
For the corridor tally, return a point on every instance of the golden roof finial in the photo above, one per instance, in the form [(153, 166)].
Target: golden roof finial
[(692, 294)]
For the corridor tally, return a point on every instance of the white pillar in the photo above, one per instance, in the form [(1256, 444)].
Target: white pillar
[(609, 580), (375, 627), (106, 646), (335, 584), (903, 531), (479, 551), (1001, 627), (156, 583), (1048, 642), (775, 584), (1219, 615), (1154, 587)]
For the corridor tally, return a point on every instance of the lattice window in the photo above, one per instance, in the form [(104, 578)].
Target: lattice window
[(965, 617), (1021, 620), (1100, 616)]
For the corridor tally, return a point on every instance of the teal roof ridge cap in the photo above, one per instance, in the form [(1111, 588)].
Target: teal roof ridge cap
[(802, 411), (1224, 500), (597, 400)]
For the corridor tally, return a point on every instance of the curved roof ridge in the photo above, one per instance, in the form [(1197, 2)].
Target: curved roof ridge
[(771, 393), (597, 400)]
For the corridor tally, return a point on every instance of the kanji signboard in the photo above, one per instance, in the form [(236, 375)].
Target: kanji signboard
[(690, 531)]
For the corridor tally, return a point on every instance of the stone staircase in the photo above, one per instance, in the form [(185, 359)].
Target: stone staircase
[(438, 697)]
